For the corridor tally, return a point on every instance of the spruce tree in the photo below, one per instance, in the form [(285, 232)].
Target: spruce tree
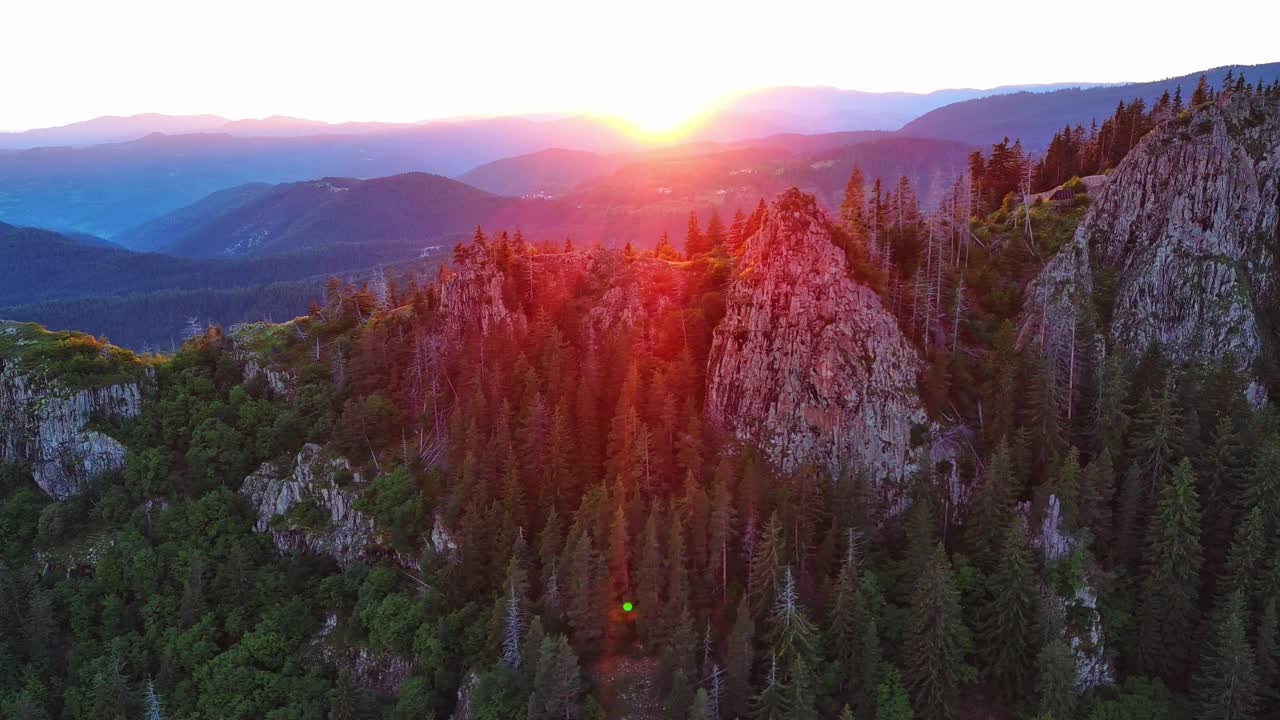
[(739, 658), (791, 634), (1246, 558), (694, 241), (771, 702), (1055, 670), (1007, 640), (1157, 434), (1097, 498), (762, 581), (1262, 485), (935, 641), (1268, 661), (1168, 613), (892, 701), (1226, 686), (649, 582), (991, 508)]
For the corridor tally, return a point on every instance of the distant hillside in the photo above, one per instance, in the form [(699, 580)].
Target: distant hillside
[(648, 194), (39, 266), (826, 109), (106, 189), (168, 230), (1034, 117), (406, 211), (547, 172), (738, 178)]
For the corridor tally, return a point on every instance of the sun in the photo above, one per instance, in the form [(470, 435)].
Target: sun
[(657, 120)]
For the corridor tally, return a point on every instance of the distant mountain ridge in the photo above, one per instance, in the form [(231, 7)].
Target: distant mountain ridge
[(1034, 117), (805, 109)]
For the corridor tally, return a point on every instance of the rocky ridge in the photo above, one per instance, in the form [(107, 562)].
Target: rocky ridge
[(331, 525), (47, 425), (807, 363), (1180, 243)]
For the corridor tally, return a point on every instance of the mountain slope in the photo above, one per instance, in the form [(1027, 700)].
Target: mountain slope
[(1034, 117), (547, 172), (1179, 248), (827, 109), (39, 266)]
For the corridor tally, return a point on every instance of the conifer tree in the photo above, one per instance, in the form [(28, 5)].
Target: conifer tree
[(715, 235), (1066, 486), (1246, 558), (800, 697), (1171, 582), (1262, 485), (868, 668), (791, 634), (583, 603), (762, 583), (737, 233), (1226, 686), (1268, 661), (719, 533), (771, 702), (1097, 495), (1007, 640), (739, 658), (1056, 671), (677, 573), (935, 641), (892, 701), (1157, 434), (701, 709), (649, 581), (694, 241), (853, 208), (991, 507)]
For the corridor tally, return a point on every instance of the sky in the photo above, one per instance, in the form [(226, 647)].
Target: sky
[(654, 63)]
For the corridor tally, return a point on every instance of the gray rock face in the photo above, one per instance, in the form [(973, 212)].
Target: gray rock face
[(347, 536), (44, 425), (471, 293), (807, 363), (1054, 542), (1184, 232)]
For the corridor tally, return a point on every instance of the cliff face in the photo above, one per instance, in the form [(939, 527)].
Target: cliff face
[(45, 423), (1182, 239), (807, 363), (307, 510)]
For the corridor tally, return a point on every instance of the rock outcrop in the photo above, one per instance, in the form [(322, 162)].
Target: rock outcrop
[(311, 508), (375, 669), (1182, 241), (1084, 633), (807, 363), (249, 343), (47, 424), (471, 292)]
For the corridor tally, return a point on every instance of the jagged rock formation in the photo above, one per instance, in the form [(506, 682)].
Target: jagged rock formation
[(471, 292), (1180, 242), (807, 363), (47, 426), (308, 509), (1054, 542)]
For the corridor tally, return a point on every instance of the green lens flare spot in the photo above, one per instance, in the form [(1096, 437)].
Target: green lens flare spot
[(626, 606)]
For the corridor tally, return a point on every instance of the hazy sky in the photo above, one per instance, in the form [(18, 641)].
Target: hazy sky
[(654, 62)]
